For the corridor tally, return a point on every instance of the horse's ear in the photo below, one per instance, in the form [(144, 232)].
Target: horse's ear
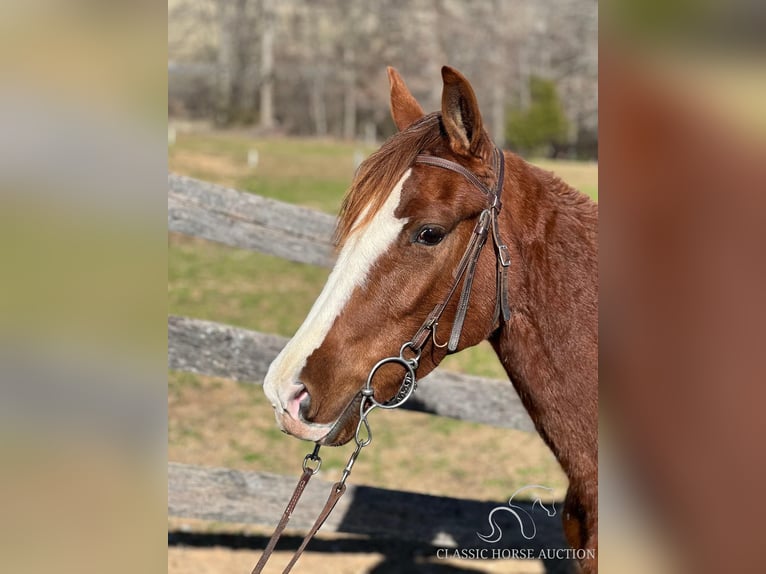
[(405, 110), (460, 113)]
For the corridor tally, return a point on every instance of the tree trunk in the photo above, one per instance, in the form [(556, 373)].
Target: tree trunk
[(267, 66), (349, 91), (498, 113), (318, 108), (315, 57), (497, 56), (225, 61), (247, 71)]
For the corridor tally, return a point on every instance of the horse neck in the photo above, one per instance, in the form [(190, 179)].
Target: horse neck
[(549, 347)]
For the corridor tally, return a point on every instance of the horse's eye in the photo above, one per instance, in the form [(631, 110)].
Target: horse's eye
[(430, 235)]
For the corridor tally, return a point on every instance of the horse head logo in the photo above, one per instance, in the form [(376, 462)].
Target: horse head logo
[(517, 511)]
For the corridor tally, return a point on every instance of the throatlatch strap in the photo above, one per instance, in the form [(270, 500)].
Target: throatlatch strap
[(503, 255), (470, 271)]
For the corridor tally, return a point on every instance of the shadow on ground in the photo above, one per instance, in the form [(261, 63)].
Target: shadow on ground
[(407, 556)]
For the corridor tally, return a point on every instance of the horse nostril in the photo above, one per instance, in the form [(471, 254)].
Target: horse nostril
[(303, 399)]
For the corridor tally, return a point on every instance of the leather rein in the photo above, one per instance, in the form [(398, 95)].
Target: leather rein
[(410, 352)]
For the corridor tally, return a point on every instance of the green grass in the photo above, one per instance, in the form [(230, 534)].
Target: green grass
[(313, 173), (215, 282), (256, 291), (582, 175), (321, 194), (222, 423)]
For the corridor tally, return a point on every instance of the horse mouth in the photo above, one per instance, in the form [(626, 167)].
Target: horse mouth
[(343, 428), (292, 421)]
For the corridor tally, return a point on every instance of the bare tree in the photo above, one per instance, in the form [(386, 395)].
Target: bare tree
[(318, 66), (267, 65), (351, 17), (235, 75), (225, 63)]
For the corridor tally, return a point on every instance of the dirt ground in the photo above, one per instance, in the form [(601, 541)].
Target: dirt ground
[(220, 560), (237, 552)]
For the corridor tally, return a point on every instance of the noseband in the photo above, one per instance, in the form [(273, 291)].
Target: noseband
[(409, 354)]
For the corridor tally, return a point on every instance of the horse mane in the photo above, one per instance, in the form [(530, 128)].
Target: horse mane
[(379, 173), (567, 196)]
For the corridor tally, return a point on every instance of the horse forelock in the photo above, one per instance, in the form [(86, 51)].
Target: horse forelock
[(379, 173)]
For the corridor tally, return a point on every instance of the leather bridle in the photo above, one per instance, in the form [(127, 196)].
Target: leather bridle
[(488, 221), (409, 354)]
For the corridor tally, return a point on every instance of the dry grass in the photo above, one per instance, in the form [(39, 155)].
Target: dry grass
[(223, 170), (582, 175), (222, 423)]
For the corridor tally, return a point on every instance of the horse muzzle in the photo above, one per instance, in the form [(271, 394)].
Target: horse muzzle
[(291, 419)]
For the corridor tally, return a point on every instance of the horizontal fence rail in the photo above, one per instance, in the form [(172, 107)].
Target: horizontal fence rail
[(248, 221), (258, 498), (214, 349)]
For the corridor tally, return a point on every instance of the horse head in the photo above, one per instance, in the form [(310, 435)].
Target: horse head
[(403, 229)]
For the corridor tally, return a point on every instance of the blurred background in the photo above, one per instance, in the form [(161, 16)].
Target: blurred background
[(284, 100), (87, 259), (302, 68)]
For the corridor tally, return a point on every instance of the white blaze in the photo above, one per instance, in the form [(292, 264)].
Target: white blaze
[(360, 252)]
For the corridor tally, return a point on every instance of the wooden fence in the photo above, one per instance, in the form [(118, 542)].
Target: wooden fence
[(299, 234)]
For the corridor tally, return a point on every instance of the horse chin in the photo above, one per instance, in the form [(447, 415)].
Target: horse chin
[(343, 429), (338, 437)]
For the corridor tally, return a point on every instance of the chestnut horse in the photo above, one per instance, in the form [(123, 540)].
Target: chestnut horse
[(402, 232)]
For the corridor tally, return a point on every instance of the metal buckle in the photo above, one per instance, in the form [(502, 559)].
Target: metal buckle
[(504, 255), (483, 223), (313, 457)]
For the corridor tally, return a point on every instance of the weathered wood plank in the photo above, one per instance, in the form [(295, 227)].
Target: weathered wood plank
[(215, 349), (257, 497), (218, 350), (248, 221)]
